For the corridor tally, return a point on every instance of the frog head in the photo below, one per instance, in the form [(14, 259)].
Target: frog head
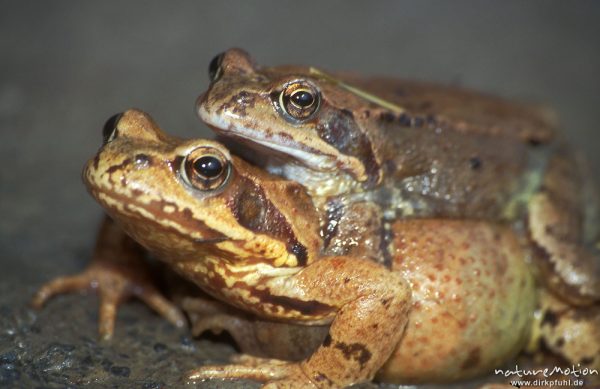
[(198, 207), (301, 115)]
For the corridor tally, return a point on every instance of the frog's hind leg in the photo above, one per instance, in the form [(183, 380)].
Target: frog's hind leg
[(209, 315), (564, 223), (117, 272), (572, 333)]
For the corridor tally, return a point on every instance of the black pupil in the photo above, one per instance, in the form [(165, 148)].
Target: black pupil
[(109, 126), (303, 98), (208, 167), (213, 67)]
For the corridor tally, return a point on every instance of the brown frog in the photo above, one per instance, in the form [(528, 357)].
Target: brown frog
[(457, 299), (375, 150)]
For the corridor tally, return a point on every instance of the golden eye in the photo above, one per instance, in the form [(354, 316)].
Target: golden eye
[(205, 168), (299, 100)]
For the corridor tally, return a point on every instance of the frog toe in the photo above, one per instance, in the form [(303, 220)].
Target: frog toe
[(165, 308), (251, 360), (274, 373), (115, 287), (60, 285), (109, 302), (571, 332), (89, 279)]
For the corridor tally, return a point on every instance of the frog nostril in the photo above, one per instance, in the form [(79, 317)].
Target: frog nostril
[(142, 161), (109, 131)]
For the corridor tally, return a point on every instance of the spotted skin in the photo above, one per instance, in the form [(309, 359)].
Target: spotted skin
[(418, 150), (453, 299), (377, 150)]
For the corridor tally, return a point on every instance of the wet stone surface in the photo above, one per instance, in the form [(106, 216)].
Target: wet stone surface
[(57, 347)]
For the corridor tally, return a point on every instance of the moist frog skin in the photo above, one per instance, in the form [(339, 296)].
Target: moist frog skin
[(372, 150), (252, 241)]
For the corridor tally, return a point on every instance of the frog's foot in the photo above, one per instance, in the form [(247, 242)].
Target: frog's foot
[(572, 333), (113, 287), (213, 316), (274, 372), (252, 335), (216, 317), (202, 306), (117, 272)]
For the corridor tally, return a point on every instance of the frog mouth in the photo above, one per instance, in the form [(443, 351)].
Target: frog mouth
[(285, 153), (281, 146), (118, 205)]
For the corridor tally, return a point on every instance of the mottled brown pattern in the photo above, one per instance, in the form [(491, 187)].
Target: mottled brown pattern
[(335, 211), (307, 308), (116, 168), (356, 351), (453, 285), (473, 359)]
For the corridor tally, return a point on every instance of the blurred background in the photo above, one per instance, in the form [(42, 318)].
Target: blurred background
[(66, 66)]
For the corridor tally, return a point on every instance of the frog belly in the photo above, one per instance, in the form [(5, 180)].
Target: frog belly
[(473, 299)]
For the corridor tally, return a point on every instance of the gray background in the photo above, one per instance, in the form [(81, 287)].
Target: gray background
[(67, 66)]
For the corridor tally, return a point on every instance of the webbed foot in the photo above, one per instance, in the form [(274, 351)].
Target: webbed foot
[(117, 272)]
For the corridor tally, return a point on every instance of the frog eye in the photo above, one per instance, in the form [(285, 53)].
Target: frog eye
[(299, 100), (214, 68), (109, 131), (205, 168)]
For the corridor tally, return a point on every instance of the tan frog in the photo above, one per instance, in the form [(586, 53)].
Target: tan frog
[(375, 150), (457, 299)]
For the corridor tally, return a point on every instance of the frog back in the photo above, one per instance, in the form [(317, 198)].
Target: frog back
[(451, 152), (459, 109)]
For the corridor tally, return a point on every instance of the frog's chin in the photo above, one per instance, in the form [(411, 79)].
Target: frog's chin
[(266, 150), (275, 144)]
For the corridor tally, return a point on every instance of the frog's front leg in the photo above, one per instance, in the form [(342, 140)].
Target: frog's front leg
[(369, 306), (117, 272)]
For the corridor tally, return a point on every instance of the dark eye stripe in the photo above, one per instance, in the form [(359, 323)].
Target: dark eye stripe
[(339, 129), (253, 210)]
